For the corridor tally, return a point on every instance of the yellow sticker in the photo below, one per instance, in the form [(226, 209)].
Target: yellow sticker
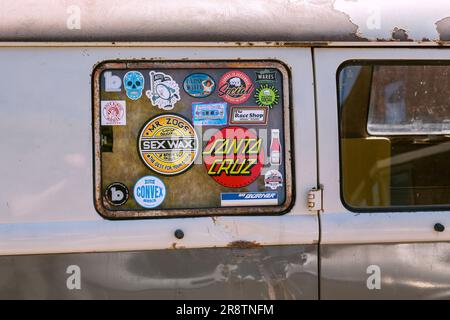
[(168, 144)]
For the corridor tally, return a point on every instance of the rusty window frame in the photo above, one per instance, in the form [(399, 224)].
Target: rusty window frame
[(191, 212)]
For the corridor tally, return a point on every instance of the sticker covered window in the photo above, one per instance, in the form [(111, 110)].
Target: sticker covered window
[(191, 138)]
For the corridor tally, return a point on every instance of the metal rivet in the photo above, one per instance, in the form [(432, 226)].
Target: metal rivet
[(179, 234), (439, 227)]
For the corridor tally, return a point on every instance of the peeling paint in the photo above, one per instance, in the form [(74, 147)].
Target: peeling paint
[(378, 20), (400, 35), (443, 27)]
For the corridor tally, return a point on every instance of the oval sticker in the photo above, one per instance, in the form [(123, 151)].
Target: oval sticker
[(168, 144), (199, 85)]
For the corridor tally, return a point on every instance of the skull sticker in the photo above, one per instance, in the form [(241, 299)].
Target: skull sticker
[(134, 84), (164, 91)]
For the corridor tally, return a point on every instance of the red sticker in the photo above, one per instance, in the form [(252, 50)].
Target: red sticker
[(234, 157), (235, 87)]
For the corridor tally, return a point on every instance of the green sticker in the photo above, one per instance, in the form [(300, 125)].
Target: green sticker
[(267, 96)]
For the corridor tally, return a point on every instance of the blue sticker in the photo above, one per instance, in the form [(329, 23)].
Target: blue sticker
[(209, 114), (199, 85), (149, 192), (239, 199), (133, 82)]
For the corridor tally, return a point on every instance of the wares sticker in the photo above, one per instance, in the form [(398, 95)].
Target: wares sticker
[(199, 85), (168, 144), (209, 114), (114, 113), (234, 157), (249, 115), (266, 76), (149, 192), (164, 91), (235, 87)]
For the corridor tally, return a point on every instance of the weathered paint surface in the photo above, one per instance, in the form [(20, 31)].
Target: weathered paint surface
[(407, 271), (278, 272), (401, 20), (217, 20)]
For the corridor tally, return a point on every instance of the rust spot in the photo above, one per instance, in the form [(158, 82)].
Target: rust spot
[(400, 35), (242, 244), (175, 246)]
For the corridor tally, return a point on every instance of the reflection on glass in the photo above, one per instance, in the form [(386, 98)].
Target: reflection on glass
[(395, 135)]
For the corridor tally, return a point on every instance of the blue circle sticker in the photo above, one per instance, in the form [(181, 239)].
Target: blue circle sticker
[(149, 192), (199, 85)]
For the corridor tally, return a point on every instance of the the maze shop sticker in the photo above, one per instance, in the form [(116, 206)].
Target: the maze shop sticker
[(249, 115), (133, 82), (168, 144), (235, 87), (113, 113), (199, 85), (234, 157), (116, 194), (273, 179), (243, 199), (204, 114), (267, 95), (164, 91), (149, 192)]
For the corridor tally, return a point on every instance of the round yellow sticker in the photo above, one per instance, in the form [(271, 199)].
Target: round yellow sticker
[(168, 144)]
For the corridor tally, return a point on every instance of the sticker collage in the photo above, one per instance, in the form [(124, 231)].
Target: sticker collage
[(186, 138)]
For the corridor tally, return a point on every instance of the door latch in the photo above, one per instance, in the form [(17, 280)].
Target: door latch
[(315, 197)]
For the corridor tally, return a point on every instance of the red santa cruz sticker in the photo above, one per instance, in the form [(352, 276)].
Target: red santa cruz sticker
[(234, 157), (235, 87)]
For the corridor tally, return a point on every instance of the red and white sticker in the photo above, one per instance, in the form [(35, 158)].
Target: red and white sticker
[(235, 87), (234, 157), (114, 113), (273, 179)]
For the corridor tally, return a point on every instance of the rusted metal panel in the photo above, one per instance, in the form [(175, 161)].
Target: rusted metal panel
[(275, 21), (404, 271), (270, 272)]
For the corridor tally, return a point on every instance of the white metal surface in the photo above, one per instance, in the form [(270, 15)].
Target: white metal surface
[(46, 194), (338, 225)]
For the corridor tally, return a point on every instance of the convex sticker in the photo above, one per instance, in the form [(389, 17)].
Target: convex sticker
[(149, 192), (168, 144)]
